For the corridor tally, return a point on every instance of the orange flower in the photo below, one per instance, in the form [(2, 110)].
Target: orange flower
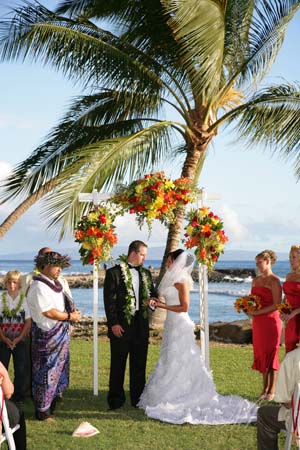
[(79, 235), (92, 231)]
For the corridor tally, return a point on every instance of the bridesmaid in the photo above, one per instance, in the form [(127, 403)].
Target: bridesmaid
[(266, 324), (291, 289)]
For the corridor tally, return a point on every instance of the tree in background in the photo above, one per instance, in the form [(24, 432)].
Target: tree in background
[(200, 61)]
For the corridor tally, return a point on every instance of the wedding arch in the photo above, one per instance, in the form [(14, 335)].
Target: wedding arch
[(153, 197)]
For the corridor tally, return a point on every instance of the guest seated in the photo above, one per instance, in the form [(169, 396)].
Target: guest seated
[(15, 416), (271, 419)]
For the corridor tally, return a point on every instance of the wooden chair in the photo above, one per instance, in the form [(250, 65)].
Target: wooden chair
[(7, 432), (293, 431)]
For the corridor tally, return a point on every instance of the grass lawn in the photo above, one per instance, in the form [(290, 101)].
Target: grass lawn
[(129, 428)]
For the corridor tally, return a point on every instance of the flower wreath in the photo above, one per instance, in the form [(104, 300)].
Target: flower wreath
[(95, 233), (14, 311), (129, 308), (154, 197), (205, 232)]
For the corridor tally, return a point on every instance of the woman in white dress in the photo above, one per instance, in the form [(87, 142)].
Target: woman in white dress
[(181, 389)]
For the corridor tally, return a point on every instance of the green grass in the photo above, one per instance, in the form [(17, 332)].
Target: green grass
[(129, 428)]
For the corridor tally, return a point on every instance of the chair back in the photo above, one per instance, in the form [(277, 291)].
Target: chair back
[(8, 432), (293, 431)]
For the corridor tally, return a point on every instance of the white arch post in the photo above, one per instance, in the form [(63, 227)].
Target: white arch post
[(203, 293), (96, 198)]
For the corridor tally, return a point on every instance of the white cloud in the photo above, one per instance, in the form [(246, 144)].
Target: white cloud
[(232, 225), (5, 168)]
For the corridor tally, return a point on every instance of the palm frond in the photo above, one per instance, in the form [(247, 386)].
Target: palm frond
[(79, 49), (266, 35), (103, 165), (272, 118), (198, 28)]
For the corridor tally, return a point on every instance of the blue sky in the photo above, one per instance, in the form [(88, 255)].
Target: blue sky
[(259, 194)]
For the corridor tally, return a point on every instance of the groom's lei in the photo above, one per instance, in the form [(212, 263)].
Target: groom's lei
[(129, 307)]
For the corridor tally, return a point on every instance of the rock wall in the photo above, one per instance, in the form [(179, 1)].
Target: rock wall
[(237, 332)]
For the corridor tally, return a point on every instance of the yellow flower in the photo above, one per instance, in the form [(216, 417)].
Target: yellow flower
[(214, 221), (169, 184), (86, 245), (189, 229), (92, 216), (139, 188)]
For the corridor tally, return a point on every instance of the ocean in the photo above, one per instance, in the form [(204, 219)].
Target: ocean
[(221, 296)]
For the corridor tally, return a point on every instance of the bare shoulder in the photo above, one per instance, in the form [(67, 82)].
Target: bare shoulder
[(274, 280)]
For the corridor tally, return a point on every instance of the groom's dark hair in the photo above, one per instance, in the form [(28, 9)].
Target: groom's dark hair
[(134, 246)]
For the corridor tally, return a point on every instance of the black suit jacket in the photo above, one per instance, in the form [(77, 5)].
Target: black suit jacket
[(114, 294)]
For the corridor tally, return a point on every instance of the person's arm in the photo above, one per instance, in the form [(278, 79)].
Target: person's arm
[(55, 314), (5, 339), (24, 332), (5, 381), (184, 298), (110, 304)]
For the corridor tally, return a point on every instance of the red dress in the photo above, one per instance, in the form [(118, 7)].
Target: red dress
[(291, 290), (266, 332)]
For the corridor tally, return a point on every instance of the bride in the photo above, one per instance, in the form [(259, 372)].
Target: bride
[(181, 389)]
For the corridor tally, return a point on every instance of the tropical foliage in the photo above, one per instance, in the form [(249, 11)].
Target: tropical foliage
[(171, 77)]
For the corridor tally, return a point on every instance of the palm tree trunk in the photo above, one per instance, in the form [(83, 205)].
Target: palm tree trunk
[(24, 206), (191, 169)]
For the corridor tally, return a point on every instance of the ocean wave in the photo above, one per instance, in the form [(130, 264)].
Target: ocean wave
[(229, 292)]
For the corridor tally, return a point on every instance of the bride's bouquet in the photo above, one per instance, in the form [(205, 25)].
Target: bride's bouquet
[(248, 303)]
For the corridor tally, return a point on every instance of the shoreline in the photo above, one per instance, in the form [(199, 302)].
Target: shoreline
[(238, 332), (85, 280)]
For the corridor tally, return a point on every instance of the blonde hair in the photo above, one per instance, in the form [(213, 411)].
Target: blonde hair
[(267, 254), (295, 248), (12, 275)]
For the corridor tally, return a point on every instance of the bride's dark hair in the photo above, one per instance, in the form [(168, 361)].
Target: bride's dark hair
[(175, 253)]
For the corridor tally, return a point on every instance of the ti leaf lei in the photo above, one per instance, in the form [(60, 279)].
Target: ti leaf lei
[(14, 311), (129, 307)]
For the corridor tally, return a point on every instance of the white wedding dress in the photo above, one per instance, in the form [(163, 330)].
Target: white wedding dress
[(181, 389)]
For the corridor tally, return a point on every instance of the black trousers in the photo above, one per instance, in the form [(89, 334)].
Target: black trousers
[(135, 344), (268, 427), (16, 417)]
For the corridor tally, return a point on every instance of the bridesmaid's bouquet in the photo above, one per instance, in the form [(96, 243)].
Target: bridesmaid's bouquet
[(284, 308), (248, 303)]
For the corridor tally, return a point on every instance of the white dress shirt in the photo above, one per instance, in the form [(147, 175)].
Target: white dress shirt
[(136, 286)]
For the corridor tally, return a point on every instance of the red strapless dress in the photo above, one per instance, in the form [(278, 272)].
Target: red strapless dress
[(266, 332), (291, 290)]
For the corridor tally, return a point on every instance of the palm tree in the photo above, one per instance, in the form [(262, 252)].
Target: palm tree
[(203, 59)]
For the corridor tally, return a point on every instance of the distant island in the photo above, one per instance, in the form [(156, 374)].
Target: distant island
[(153, 253)]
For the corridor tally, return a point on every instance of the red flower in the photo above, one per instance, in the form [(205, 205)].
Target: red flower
[(102, 218)]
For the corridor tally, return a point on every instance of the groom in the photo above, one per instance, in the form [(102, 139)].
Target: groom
[(127, 289)]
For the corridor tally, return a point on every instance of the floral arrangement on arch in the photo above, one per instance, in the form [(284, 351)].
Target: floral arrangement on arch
[(95, 233), (248, 303), (154, 197), (205, 232)]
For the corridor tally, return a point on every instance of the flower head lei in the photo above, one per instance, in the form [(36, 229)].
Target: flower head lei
[(52, 259), (129, 308), (14, 311)]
